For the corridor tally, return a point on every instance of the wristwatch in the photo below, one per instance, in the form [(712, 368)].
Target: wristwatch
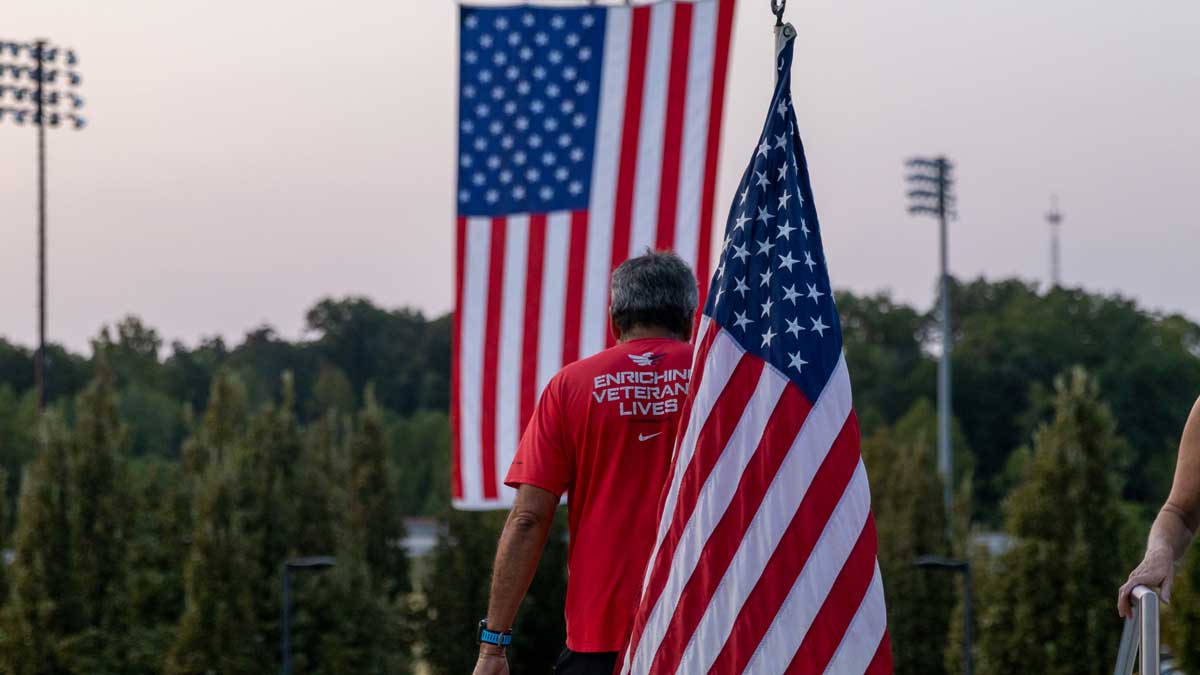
[(491, 637)]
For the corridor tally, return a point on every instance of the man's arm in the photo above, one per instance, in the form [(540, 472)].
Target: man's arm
[(517, 556), (1176, 524)]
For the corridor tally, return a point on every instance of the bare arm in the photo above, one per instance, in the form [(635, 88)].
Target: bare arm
[(1176, 524), (517, 556)]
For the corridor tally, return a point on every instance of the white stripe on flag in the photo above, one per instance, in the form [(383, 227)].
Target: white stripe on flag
[(512, 332), (783, 497), (695, 132), (474, 306), (862, 638), (706, 324), (606, 160), (653, 123), (800, 609), (722, 358), (554, 291), (714, 498)]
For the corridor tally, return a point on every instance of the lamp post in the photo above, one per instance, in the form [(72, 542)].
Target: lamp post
[(931, 193), (285, 627), (29, 91), (936, 562)]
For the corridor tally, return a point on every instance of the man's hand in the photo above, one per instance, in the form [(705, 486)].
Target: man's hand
[(1156, 571), (491, 662)]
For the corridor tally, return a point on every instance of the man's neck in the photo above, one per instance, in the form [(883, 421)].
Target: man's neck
[(646, 332)]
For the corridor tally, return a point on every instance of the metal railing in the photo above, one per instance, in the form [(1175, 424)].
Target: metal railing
[(1140, 629)]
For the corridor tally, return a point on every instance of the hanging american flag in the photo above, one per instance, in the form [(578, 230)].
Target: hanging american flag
[(765, 558), (586, 134)]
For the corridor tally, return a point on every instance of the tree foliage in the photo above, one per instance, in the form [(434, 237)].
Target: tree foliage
[(906, 498), (456, 593), (153, 504), (1047, 604)]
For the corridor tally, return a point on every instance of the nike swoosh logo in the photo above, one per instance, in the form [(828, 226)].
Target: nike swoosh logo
[(645, 437)]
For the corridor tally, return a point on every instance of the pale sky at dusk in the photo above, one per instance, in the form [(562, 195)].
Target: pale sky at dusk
[(246, 158)]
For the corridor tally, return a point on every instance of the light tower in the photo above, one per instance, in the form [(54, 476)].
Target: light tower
[(931, 193), (1054, 217), (38, 84)]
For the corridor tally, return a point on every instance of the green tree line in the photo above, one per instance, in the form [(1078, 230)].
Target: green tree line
[(147, 515)]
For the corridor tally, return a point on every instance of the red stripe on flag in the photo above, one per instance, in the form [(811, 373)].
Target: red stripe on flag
[(491, 355), (460, 248), (533, 308), (791, 552), (627, 170), (882, 663), (839, 608), (573, 309), (713, 146), (699, 356), (673, 133), (778, 436), (720, 425)]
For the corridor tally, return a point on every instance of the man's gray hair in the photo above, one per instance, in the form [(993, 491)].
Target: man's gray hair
[(656, 288)]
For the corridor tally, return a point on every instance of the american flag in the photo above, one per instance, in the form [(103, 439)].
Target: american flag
[(765, 559), (585, 135)]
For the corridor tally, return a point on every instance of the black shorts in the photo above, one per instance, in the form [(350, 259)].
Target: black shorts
[(585, 663)]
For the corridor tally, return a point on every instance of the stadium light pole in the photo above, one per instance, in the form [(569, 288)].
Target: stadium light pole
[(935, 562), (29, 91), (931, 192), (285, 627)]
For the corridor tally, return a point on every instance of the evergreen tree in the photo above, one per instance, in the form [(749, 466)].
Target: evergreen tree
[(375, 523), (216, 631), (906, 498), (420, 450), (223, 425), (264, 464), (154, 560), (320, 498), (99, 512), (321, 481), (366, 632), (350, 618), (1046, 604), (43, 603), (456, 597), (4, 542), (67, 588), (1181, 625), (219, 611), (18, 432)]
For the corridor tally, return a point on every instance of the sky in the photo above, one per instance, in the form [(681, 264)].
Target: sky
[(244, 159)]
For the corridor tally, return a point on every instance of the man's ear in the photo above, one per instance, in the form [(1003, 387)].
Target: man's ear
[(612, 326)]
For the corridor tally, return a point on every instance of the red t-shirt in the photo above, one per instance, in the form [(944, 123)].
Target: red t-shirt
[(603, 432)]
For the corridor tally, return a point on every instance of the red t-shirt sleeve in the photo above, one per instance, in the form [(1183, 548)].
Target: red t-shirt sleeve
[(543, 457)]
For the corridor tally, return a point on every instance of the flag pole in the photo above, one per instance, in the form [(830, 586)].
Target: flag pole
[(783, 32)]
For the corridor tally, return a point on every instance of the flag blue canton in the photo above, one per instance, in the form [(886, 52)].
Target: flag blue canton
[(529, 91), (771, 291)]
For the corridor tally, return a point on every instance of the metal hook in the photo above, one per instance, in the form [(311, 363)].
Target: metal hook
[(777, 10)]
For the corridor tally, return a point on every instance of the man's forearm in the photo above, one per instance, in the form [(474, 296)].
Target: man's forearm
[(1170, 532), (517, 557), (1176, 523)]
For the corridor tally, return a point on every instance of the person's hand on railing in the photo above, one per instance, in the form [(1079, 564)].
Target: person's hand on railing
[(1157, 570)]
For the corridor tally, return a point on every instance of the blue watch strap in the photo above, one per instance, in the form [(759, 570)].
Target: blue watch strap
[(492, 637)]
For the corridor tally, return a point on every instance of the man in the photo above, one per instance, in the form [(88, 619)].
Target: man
[(603, 432), (1176, 524)]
